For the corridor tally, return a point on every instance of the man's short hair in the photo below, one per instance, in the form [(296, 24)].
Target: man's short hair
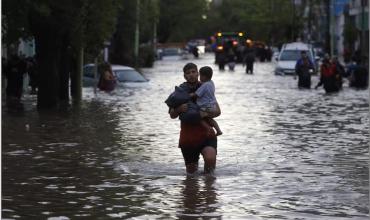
[(189, 66), (206, 71)]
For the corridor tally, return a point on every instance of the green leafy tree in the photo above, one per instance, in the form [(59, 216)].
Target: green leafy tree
[(123, 39), (122, 49), (268, 21), (180, 20), (59, 28)]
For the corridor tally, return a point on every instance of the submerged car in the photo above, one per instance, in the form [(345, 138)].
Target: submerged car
[(290, 54), (170, 53), (122, 73)]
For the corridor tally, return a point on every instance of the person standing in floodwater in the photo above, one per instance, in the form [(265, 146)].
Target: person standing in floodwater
[(14, 71), (107, 81), (248, 59), (328, 76), (195, 139), (303, 68)]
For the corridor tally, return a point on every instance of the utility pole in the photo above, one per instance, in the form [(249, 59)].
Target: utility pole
[(95, 73), (136, 48), (332, 28), (293, 22), (309, 38), (155, 37), (363, 36), (77, 88), (327, 24), (271, 37), (155, 21)]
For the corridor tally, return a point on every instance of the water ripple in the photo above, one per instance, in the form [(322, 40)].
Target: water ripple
[(285, 153)]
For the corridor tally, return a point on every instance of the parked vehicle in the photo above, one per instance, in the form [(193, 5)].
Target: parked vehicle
[(288, 56), (227, 40), (199, 43), (170, 53), (123, 74)]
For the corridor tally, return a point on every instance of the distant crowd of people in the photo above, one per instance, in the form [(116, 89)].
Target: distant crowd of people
[(332, 73), (245, 54)]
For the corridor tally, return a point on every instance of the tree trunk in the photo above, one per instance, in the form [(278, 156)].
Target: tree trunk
[(65, 68), (76, 77), (327, 34), (48, 53)]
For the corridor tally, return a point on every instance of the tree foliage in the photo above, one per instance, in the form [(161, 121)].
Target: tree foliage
[(59, 28), (269, 21), (180, 20), (88, 22), (122, 48)]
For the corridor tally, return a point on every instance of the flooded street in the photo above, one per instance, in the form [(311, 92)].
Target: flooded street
[(285, 153)]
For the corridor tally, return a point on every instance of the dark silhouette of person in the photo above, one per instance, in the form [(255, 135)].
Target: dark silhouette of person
[(107, 81), (261, 53), (230, 55), (328, 76), (249, 58), (339, 72), (32, 72), (359, 75), (268, 52), (357, 56), (221, 58), (14, 71), (195, 51), (303, 69)]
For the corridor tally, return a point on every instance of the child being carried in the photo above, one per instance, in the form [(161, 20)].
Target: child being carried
[(206, 99)]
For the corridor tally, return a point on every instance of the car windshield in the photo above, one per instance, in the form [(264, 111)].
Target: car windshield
[(292, 55), (171, 51), (129, 76)]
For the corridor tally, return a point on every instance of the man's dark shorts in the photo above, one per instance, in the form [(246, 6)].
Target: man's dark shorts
[(191, 155)]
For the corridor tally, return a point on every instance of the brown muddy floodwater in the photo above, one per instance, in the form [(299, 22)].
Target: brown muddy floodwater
[(285, 153)]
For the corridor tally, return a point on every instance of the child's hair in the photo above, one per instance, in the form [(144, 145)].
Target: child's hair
[(206, 71), (189, 66)]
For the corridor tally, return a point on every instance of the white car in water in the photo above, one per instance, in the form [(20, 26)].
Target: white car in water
[(171, 53), (122, 73)]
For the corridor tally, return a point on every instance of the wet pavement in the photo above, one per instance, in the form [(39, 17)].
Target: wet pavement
[(285, 153)]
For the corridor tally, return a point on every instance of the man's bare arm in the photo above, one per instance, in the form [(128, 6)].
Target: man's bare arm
[(175, 112)]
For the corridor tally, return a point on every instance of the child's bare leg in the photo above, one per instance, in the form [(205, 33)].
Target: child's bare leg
[(214, 124)]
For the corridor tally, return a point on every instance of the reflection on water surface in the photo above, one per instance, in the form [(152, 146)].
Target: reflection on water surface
[(285, 154)]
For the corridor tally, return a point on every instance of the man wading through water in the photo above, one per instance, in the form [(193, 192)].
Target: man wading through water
[(303, 68), (195, 139)]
